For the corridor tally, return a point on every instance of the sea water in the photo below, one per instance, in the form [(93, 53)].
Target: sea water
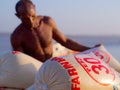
[(112, 44)]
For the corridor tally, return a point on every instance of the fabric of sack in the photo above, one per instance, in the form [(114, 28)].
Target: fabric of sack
[(59, 50), (76, 72), (102, 53), (17, 70)]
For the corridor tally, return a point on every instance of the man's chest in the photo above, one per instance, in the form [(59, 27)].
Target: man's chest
[(42, 38)]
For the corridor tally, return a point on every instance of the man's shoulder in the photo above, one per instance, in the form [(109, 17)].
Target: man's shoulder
[(45, 19), (17, 31)]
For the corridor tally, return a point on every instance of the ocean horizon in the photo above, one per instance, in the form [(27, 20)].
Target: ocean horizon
[(105, 39)]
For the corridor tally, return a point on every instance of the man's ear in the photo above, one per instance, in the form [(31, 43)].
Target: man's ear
[(16, 14)]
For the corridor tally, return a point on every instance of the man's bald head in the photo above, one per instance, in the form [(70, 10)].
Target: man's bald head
[(23, 6)]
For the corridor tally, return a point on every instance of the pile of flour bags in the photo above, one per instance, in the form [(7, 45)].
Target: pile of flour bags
[(94, 69)]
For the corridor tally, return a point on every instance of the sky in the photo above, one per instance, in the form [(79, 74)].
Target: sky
[(72, 17)]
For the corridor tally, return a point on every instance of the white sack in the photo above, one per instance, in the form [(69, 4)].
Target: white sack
[(76, 72), (17, 70), (59, 50)]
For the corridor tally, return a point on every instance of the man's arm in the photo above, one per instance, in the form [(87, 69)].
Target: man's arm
[(63, 40)]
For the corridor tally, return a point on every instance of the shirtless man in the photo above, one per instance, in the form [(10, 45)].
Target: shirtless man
[(34, 35)]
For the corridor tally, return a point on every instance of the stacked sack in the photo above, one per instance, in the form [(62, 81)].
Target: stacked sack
[(83, 71), (17, 70), (105, 56), (59, 50)]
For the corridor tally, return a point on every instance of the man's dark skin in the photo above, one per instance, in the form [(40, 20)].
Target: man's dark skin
[(34, 35)]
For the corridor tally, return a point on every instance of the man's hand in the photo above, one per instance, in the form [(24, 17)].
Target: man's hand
[(98, 45)]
